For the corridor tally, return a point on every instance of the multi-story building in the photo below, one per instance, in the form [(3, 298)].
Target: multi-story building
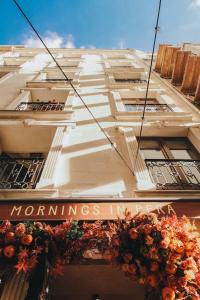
[(58, 153)]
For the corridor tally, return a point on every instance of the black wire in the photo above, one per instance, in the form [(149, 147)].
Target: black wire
[(148, 82), (71, 84)]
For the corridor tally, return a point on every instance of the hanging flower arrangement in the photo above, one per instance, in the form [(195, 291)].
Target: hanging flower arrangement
[(162, 254)]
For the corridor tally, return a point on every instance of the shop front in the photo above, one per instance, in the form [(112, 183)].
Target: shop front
[(99, 249)]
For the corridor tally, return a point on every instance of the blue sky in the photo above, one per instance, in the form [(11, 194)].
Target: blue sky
[(100, 23)]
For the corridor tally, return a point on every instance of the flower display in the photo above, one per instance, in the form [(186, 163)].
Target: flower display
[(165, 253), (162, 254)]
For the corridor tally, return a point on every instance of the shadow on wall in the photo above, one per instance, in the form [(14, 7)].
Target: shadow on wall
[(98, 173)]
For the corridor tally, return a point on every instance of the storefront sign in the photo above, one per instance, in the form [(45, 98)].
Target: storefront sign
[(93, 211)]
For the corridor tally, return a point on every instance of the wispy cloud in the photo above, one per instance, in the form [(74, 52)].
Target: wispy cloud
[(69, 42), (195, 4), (52, 40)]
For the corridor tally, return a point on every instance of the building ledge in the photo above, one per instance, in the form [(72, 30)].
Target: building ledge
[(50, 84), (168, 116), (27, 193), (192, 194)]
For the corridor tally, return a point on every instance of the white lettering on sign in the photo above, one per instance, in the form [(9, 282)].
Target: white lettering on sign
[(16, 209), (29, 210), (96, 210), (85, 211), (41, 209), (73, 210), (53, 210)]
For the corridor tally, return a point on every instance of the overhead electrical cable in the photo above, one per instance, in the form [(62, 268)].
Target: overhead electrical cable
[(79, 96), (73, 87), (148, 83)]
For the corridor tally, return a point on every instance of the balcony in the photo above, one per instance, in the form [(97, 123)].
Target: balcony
[(174, 174), (41, 106), (148, 108), (20, 172)]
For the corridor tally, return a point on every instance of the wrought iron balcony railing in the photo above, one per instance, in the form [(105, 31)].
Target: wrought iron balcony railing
[(175, 174), (40, 106), (20, 173), (56, 80), (148, 108), (124, 80)]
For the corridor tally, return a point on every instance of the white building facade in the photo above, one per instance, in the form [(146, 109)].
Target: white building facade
[(54, 146)]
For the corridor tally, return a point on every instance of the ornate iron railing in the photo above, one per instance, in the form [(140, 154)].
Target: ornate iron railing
[(148, 108), (20, 173), (131, 80), (40, 106), (56, 80), (175, 174)]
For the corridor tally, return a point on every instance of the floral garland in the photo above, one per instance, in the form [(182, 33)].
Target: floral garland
[(163, 254)]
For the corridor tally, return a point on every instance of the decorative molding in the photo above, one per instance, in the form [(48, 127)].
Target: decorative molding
[(194, 137), (48, 173), (139, 167)]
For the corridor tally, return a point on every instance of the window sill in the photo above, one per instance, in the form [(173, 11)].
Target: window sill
[(171, 116), (168, 193)]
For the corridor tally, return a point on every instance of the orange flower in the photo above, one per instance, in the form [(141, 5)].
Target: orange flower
[(147, 228), (149, 240), (164, 233), (133, 233), (23, 254), (189, 246), (9, 251), (197, 277), (165, 243), (171, 268), (22, 266), (27, 239), (10, 236), (168, 294), (152, 280), (20, 229)]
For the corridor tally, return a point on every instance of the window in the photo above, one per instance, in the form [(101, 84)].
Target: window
[(172, 162), (152, 105)]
